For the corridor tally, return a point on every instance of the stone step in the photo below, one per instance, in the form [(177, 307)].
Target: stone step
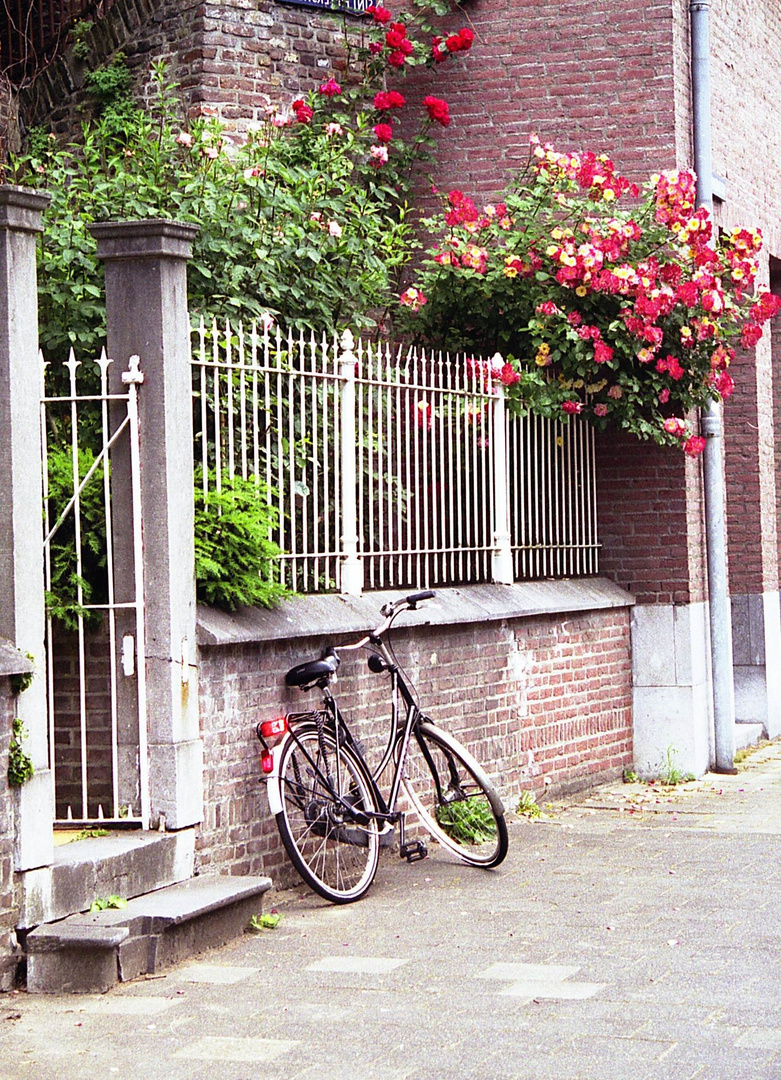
[(748, 734), (93, 951), (123, 864)]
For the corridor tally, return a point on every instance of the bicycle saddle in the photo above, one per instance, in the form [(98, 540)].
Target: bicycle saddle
[(312, 671)]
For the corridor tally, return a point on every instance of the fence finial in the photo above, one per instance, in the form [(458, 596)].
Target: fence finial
[(134, 374), (347, 343)]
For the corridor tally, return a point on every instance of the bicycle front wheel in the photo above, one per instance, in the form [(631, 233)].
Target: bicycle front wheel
[(324, 822), (453, 797)]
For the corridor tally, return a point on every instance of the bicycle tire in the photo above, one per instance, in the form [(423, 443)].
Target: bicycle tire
[(453, 797), (335, 854)]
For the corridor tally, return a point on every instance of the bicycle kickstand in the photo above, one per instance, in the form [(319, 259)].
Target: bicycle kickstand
[(411, 850)]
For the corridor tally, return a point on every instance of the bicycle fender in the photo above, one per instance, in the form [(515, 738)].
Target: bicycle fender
[(273, 786), (449, 740)]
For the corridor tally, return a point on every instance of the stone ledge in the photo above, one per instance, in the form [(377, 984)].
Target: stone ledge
[(313, 616)]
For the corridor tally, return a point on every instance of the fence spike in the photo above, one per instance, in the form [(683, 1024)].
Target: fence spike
[(103, 362)]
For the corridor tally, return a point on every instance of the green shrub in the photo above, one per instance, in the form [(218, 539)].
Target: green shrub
[(234, 555)]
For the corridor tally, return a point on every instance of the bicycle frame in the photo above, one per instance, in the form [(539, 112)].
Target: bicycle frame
[(398, 736)]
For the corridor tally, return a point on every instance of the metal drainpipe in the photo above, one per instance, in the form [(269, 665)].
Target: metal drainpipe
[(712, 429)]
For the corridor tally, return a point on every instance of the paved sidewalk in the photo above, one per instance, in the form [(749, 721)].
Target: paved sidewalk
[(632, 935)]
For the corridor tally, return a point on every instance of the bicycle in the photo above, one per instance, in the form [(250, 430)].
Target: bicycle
[(326, 800)]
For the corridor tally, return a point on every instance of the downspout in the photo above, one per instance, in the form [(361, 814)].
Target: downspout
[(712, 429)]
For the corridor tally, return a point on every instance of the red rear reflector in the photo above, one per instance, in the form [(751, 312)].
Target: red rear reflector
[(267, 762), (271, 728)]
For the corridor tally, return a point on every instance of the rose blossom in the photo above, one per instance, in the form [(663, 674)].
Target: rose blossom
[(330, 88), (437, 109), (413, 298), (673, 425), (388, 99), (694, 446)]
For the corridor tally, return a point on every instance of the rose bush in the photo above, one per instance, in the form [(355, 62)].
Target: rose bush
[(627, 314)]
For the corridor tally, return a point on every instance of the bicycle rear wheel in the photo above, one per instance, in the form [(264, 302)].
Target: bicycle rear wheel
[(453, 797), (331, 841)]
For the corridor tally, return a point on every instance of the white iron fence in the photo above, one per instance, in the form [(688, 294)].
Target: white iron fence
[(95, 628), (391, 466)]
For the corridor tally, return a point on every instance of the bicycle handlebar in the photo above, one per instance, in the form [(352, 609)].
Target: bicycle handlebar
[(389, 613)]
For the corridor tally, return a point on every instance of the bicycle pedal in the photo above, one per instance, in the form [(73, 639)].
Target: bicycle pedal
[(413, 851)]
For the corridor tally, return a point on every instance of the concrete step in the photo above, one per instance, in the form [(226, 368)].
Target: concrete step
[(90, 953)]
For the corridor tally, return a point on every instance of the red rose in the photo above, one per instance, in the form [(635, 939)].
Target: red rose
[(396, 58), (388, 99), (750, 335), (467, 37), (453, 43), (437, 109), (439, 50), (694, 446), (383, 132), (572, 408), (393, 39), (330, 88), (380, 13)]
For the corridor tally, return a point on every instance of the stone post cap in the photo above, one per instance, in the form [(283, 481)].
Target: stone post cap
[(12, 662), (21, 208), (144, 239)]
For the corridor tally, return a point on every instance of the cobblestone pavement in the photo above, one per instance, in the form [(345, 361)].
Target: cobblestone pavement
[(632, 934)]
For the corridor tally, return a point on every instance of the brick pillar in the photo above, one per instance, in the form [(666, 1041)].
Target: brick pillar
[(653, 544), (752, 538), (22, 618), (146, 313), (752, 456)]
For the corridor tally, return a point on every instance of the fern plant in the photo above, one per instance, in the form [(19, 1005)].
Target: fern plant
[(234, 555)]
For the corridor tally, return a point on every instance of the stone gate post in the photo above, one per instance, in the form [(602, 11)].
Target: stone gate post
[(147, 315), (22, 617)]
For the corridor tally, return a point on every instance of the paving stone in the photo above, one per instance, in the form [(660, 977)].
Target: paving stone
[(676, 923), (221, 975), (368, 965), (215, 1048)]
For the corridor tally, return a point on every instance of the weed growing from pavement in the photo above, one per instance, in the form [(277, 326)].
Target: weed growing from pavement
[(267, 921), (670, 774), (527, 805), (467, 820)]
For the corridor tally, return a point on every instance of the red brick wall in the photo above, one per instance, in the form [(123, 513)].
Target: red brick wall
[(649, 520), (582, 75), (746, 66), (67, 724), (775, 352), (229, 60), (743, 479), (544, 703)]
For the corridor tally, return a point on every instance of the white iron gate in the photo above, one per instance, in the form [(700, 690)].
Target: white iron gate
[(94, 586)]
